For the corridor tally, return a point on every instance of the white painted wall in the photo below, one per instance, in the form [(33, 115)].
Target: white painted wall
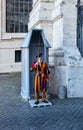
[(9, 42)]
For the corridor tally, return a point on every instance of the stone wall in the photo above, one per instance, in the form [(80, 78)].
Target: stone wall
[(73, 59), (59, 21)]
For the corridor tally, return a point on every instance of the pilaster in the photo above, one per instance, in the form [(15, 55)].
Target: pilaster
[(73, 59), (41, 17)]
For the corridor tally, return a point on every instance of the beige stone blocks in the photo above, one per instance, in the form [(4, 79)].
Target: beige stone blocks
[(75, 81)]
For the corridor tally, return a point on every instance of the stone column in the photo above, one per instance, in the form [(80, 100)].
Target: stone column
[(73, 59), (57, 51)]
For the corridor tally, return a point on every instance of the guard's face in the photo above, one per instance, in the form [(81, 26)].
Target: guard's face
[(39, 59)]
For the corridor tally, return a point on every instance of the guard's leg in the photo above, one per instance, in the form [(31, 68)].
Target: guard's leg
[(36, 97), (44, 96), (36, 90)]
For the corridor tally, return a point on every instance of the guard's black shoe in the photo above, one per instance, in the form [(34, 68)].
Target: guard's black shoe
[(45, 101), (36, 102)]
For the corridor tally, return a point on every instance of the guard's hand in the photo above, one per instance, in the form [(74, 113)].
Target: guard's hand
[(47, 80)]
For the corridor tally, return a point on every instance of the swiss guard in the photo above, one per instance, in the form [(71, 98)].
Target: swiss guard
[(41, 77)]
